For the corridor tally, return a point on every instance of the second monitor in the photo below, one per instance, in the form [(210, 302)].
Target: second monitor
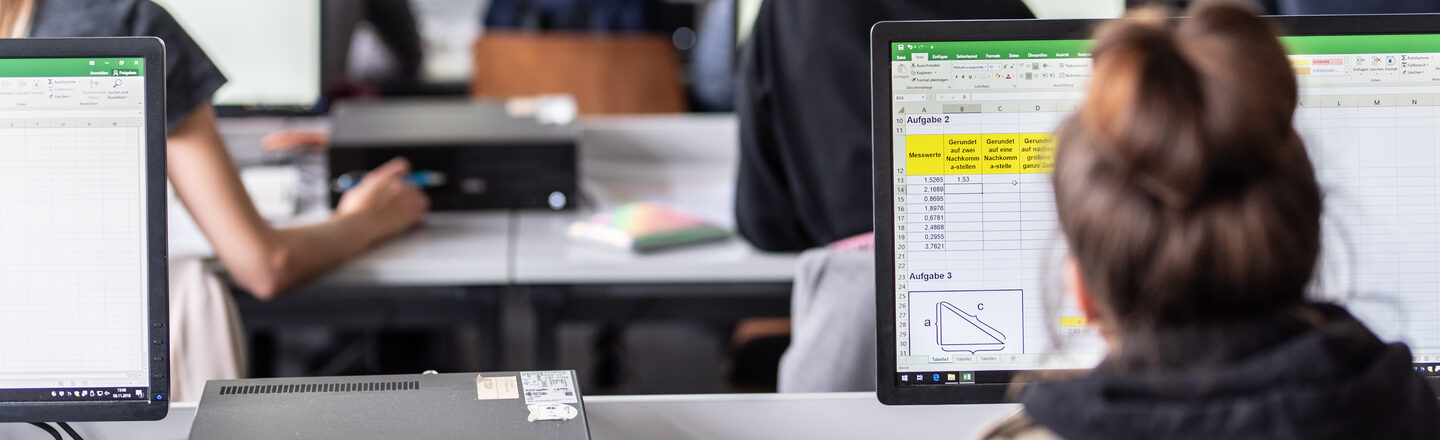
[(966, 227), (269, 50)]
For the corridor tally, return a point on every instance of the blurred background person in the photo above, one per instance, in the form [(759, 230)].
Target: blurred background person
[(263, 259), (803, 102), (804, 107)]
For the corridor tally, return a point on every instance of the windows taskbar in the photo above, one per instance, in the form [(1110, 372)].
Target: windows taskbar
[(1008, 376)]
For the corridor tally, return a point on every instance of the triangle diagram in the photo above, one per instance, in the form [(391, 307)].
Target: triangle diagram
[(958, 329)]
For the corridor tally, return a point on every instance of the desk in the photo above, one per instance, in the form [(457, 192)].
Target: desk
[(570, 281), (452, 249), (681, 417), (688, 161), (545, 255), (450, 272), (782, 416)]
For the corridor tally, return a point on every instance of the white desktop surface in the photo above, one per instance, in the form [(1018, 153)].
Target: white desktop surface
[(451, 249), (835, 416), (782, 417), (544, 254)]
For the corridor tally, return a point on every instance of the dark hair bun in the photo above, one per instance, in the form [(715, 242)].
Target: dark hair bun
[(1182, 186)]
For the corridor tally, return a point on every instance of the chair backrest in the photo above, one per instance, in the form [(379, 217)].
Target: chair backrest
[(832, 323), (606, 73)]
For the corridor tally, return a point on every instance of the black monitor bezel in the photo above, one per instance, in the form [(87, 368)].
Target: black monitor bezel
[(157, 404), (883, 34)]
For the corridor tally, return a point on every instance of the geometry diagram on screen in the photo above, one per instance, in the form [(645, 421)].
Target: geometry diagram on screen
[(966, 322), (958, 330)]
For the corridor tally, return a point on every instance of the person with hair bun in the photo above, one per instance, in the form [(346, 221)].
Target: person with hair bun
[(1192, 218)]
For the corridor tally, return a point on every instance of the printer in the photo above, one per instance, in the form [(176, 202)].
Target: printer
[(466, 155)]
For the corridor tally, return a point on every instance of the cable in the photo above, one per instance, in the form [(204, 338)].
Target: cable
[(49, 429), (68, 430)]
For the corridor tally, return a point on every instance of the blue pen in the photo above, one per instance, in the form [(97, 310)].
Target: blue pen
[(423, 179)]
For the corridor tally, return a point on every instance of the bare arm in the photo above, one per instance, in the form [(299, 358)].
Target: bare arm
[(265, 260)]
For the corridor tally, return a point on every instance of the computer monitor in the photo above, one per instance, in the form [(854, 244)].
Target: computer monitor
[(83, 282), (968, 248), (269, 50)]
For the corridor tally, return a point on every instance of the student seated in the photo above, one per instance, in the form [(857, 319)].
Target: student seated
[(803, 102), (264, 260), (1192, 217)]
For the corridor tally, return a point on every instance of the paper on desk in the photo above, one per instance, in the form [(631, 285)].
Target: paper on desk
[(273, 189), (496, 388)]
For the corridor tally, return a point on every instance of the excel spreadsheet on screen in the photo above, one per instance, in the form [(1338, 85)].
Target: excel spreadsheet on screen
[(73, 289), (977, 248)]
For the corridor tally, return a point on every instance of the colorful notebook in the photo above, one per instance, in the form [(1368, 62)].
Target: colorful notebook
[(646, 226)]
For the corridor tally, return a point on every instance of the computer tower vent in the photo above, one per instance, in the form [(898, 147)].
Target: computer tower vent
[(343, 387)]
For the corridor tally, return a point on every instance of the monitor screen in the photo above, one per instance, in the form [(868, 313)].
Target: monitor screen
[(74, 292), (977, 249), (269, 50)]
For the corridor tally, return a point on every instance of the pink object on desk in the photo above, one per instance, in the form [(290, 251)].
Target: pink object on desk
[(862, 242)]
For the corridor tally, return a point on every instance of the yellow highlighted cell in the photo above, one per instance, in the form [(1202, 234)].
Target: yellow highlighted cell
[(924, 154), (1001, 152), (1074, 321), (990, 153), (963, 154), (1037, 153)]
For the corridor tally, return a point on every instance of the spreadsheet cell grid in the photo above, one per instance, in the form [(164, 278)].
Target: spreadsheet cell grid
[(69, 223)]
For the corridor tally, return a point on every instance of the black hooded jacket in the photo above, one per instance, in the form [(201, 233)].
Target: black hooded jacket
[(803, 102), (1315, 373)]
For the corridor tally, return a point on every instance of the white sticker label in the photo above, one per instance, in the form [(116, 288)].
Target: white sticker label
[(552, 411), (548, 387)]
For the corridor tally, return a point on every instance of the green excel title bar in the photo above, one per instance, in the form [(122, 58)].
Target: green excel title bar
[(71, 67), (991, 50), (1362, 44), (1042, 49)]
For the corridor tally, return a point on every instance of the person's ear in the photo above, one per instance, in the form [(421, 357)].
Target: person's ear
[(1095, 316), (1075, 281)]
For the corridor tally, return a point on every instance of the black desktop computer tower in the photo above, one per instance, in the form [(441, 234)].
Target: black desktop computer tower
[(484, 158)]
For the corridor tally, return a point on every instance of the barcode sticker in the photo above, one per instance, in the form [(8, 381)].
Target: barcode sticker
[(548, 387)]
